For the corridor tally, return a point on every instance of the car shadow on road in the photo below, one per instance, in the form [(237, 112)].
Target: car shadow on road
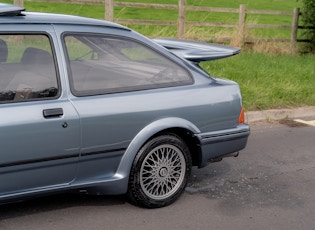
[(57, 202)]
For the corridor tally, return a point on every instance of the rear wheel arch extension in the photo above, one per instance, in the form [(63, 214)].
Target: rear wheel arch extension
[(189, 139)]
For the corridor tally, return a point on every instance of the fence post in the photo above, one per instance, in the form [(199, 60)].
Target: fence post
[(19, 3), (181, 18), (109, 10), (241, 24), (294, 30)]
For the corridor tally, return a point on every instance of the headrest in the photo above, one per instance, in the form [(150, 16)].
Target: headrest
[(36, 56)]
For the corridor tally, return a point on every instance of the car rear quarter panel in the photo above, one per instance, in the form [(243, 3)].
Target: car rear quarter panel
[(110, 123)]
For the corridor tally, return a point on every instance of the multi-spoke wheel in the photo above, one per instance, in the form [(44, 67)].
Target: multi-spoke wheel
[(160, 172)]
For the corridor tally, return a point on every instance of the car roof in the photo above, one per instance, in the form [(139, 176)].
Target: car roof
[(10, 14)]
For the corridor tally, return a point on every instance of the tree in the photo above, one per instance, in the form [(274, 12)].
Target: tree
[(308, 20)]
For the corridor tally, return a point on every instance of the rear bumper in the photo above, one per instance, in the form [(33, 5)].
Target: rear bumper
[(217, 144)]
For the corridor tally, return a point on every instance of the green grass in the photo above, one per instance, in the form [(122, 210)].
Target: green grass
[(266, 80), (270, 81)]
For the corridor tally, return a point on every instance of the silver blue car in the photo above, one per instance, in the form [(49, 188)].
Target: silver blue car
[(91, 106)]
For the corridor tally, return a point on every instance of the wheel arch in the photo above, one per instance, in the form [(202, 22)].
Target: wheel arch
[(178, 126), (189, 139)]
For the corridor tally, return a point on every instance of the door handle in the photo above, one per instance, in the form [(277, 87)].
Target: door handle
[(49, 113)]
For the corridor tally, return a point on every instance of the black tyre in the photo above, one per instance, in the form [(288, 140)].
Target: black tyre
[(159, 172)]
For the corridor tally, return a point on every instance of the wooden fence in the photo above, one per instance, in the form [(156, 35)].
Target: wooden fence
[(182, 22)]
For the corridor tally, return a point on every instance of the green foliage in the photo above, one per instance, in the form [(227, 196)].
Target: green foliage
[(308, 19)]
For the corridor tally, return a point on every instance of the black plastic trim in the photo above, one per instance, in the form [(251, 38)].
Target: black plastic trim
[(25, 162), (18, 163), (57, 112)]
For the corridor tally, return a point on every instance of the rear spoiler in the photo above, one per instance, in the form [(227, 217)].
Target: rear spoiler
[(10, 10), (197, 51)]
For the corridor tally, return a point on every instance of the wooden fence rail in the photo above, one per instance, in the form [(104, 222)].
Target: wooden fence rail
[(182, 22)]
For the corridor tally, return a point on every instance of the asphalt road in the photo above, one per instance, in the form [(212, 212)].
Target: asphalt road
[(271, 185)]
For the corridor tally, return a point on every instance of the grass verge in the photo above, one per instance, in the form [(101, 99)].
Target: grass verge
[(269, 81)]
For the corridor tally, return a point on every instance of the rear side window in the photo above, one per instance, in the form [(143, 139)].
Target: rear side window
[(101, 64), (27, 68)]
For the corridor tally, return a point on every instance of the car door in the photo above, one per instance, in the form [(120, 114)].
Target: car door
[(39, 127)]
